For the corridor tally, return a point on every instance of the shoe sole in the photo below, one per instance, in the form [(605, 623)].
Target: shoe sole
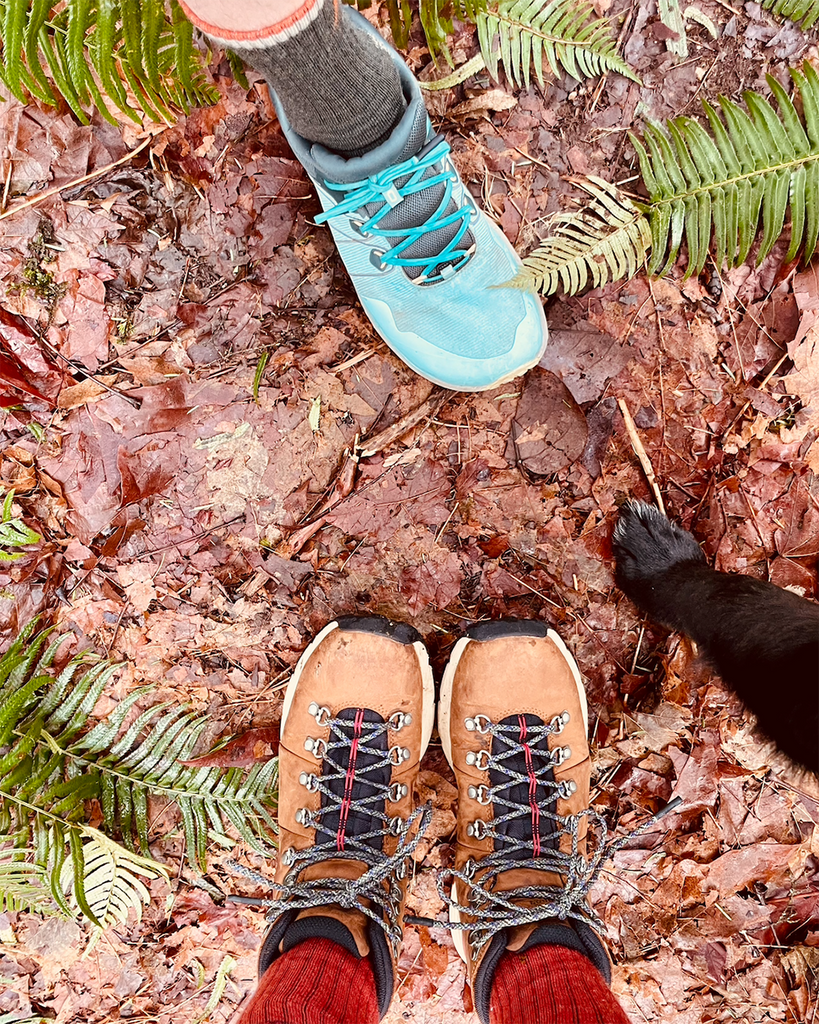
[(400, 633), (484, 632)]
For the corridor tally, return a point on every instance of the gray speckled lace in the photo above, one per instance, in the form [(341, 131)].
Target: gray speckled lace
[(352, 823), (519, 840)]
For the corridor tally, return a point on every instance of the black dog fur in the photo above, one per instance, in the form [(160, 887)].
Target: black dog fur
[(762, 640)]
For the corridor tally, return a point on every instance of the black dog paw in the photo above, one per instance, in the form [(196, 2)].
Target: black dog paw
[(646, 545)]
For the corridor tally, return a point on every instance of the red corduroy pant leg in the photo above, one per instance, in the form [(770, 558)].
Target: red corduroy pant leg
[(551, 985), (316, 982)]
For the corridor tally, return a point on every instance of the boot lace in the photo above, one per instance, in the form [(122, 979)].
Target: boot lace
[(352, 823), (392, 186), (527, 833)]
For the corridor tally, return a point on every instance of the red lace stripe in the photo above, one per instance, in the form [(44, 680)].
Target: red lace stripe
[(530, 771), (349, 780)]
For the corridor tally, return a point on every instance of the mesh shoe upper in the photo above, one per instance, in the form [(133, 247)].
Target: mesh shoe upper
[(426, 262)]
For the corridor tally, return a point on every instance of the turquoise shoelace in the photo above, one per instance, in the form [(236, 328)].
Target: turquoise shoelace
[(382, 188)]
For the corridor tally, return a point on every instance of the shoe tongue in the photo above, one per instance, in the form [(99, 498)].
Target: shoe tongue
[(416, 209), (368, 777), (531, 821)]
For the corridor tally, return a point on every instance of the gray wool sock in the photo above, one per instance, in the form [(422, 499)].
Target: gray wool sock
[(338, 87)]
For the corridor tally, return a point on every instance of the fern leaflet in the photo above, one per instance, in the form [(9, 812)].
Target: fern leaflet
[(135, 54), (563, 32), (14, 533), (23, 884), (606, 240), (51, 764), (757, 164), (803, 11)]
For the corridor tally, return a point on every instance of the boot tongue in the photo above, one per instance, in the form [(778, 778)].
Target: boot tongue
[(523, 752)]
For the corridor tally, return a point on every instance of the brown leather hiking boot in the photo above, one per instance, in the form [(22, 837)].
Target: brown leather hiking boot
[(513, 722), (356, 721)]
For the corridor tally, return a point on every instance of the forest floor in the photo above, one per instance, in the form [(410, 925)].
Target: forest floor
[(170, 502)]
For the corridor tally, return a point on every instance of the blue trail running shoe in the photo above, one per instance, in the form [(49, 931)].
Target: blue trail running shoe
[(425, 261)]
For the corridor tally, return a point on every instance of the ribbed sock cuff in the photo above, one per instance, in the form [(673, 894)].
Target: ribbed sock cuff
[(316, 982), (551, 985), (261, 38)]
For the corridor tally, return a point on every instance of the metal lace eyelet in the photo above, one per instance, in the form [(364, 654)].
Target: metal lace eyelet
[(470, 867), (478, 899), (302, 816), (478, 758), (395, 825), (309, 781), (567, 788), (479, 793), (288, 856), (321, 714), (317, 747), (560, 754), (398, 755), (559, 722), (399, 719), (401, 870), (396, 792), (480, 723), (476, 829)]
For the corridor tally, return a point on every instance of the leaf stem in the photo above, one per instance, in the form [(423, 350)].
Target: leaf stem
[(710, 187)]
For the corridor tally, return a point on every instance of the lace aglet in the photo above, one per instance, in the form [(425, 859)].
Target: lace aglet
[(248, 901), (425, 922), (669, 808)]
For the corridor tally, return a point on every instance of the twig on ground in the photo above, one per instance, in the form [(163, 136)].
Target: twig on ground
[(78, 368), (28, 203), (185, 540), (345, 479), (426, 409), (641, 453)]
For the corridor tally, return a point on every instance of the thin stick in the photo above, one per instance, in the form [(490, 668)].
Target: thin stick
[(79, 181), (428, 408), (7, 186), (641, 454), (78, 368), (762, 384)]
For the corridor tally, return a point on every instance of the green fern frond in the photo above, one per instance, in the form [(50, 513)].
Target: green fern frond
[(605, 241), (52, 763), (96, 52), (23, 883), (521, 33), (112, 879), (755, 163), (14, 533), (803, 11)]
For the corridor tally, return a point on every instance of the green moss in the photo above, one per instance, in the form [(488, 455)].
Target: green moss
[(36, 275)]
